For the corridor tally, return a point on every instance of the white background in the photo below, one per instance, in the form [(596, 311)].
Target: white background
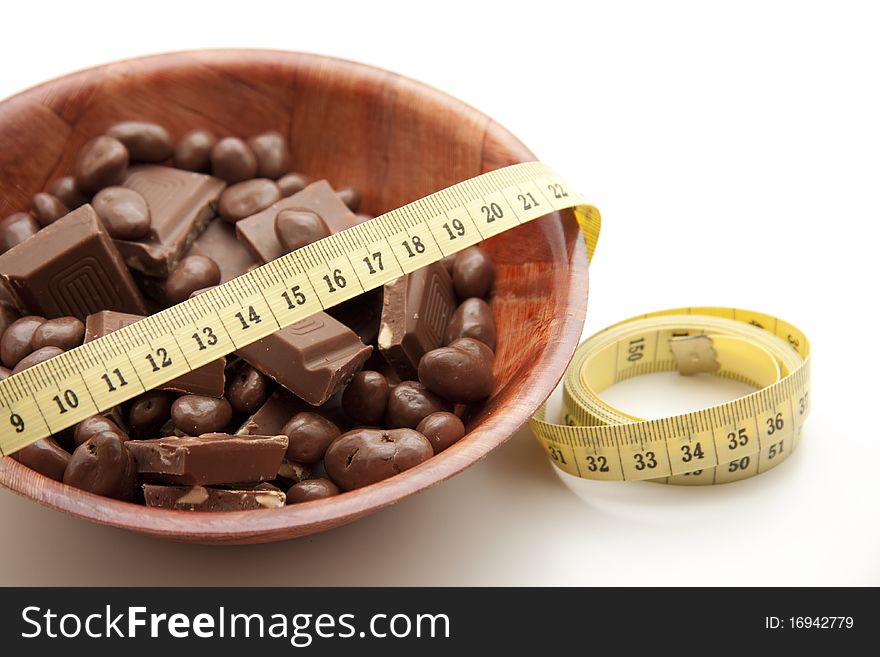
[(734, 151)]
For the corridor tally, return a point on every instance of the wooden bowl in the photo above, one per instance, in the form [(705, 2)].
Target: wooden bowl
[(393, 139)]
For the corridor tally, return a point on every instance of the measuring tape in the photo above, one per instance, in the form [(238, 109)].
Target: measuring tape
[(103, 373)]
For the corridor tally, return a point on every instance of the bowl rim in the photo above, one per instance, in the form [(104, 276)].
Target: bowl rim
[(299, 520)]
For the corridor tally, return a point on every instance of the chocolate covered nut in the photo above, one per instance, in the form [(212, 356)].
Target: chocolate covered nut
[(103, 466), (15, 229), (48, 208), (292, 472), (36, 357), (292, 183), (15, 343), (95, 425), (46, 457), (191, 274), (296, 228), (441, 429), (365, 397), (200, 498), (145, 142), (461, 372), (364, 456), (311, 489), (246, 198), (148, 413), (100, 163), (233, 160), (350, 197), (472, 273), (62, 332), (193, 151), (409, 402), (272, 153), (309, 435), (247, 390), (472, 319), (195, 414), (124, 213), (66, 191)]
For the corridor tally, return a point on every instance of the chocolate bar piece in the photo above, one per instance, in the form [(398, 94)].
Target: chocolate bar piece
[(200, 498), (312, 358), (219, 243), (282, 405), (181, 205), (257, 232), (212, 458), (415, 311), (70, 267), (208, 380), (361, 314)]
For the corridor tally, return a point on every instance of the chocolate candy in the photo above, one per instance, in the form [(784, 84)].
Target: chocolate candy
[(66, 191), (415, 312), (365, 397), (200, 498), (461, 372), (48, 208), (350, 197), (15, 229), (441, 429), (472, 319), (247, 390), (472, 273), (16, 341), (298, 228), (181, 205), (62, 332), (311, 489), (209, 379), (148, 413), (213, 458), (95, 425), (364, 456), (193, 273), (124, 212), (246, 198), (46, 457), (257, 232), (219, 243), (35, 357), (196, 414), (145, 142), (272, 153), (292, 183), (292, 472), (100, 163), (103, 466), (312, 358), (309, 435), (193, 151), (409, 403), (233, 161), (71, 267)]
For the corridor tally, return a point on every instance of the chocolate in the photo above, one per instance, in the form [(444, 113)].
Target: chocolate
[(365, 456), (247, 389), (145, 142), (472, 319), (472, 273), (257, 232), (194, 415), (409, 402), (95, 425), (124, 213), (100, 163), (312, 358), (15, 229), (246, 198), (219, 243), (200, 498), (181, 205), (272, 153), (441, 429), (213, 458), (36, 357), (298, 228), (282, 405), (311, 489), (17, 339), (415, 311), (46, 457), (461, 372), (192, 273), (103, 466), (309, 435), (351, 197), (291, 472), (366, 397), (47, 208), (148, 413), (66, 191), (292, 183), (362, 314), (233, 160), (209, 379), (193, 151), (62, 332), (71, 267)]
